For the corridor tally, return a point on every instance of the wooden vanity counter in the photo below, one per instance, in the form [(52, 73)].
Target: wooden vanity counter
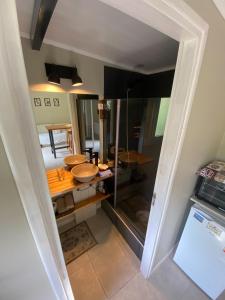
[(61, 181)]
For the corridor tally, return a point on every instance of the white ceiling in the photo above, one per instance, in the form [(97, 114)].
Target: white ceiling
[(95, 29)]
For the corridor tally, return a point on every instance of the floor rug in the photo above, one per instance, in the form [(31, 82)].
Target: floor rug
[(76, 241)]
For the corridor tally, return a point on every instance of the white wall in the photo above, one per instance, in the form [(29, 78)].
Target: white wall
[(51, 114), (22, 274), (221, 149), (206, 124), (90, 70)]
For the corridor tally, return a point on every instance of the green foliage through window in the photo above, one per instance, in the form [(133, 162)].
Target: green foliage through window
[(162, 116)]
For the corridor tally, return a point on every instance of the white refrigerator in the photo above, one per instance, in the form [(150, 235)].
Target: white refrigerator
[(201, 251)]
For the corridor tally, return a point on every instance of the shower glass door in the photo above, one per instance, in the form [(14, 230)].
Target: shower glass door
[(135, 144)]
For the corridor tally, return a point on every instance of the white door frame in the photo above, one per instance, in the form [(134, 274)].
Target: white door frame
[(179, 21), (20, 139)]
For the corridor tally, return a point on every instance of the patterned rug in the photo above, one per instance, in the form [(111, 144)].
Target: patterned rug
[(76, 241)]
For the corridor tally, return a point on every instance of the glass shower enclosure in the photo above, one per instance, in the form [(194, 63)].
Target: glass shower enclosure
[(134, 136)]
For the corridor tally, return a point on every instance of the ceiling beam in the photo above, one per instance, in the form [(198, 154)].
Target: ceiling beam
[(43, 10)]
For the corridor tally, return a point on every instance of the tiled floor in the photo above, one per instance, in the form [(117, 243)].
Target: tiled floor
[(110, 270)]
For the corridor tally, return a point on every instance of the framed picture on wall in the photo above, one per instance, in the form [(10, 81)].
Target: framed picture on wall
[(47, 101), (37, 101), (56, 101)]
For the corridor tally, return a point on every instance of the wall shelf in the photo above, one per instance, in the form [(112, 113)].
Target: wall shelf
[(65, 214), (66, 182), (94, 199), (84, 203)]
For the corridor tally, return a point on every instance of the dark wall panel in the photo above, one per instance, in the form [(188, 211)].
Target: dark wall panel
[(116, 83)]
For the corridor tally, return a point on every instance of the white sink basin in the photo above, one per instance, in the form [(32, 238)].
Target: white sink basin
[(84, 172)]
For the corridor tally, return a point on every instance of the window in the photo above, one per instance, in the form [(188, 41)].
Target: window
[(162, 116)]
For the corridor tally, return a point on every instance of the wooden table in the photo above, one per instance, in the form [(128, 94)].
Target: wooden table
[(136, 157), (61, 181), (53, 127)]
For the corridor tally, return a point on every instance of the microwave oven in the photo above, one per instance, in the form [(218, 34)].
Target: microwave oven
[(211, 188)]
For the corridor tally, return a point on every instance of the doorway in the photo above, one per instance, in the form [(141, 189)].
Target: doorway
[(187, 73)]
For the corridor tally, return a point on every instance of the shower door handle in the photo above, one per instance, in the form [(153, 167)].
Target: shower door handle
[(153, 198)]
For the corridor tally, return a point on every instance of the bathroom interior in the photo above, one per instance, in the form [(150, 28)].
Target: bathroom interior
[(100, 127), (126, 135), (122, 131)]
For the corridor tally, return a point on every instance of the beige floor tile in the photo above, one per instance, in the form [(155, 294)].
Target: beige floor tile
[(66, 226), (110, 270), (85, 284), (99, 221), (170, 280), (103, 230), (77, 264), (100, 226), (222, 296), (139, 289), (194, 293), (112, 267), (129, 253)]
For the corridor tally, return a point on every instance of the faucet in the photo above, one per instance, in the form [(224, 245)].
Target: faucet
[(95, 156), (92, 155), (88, 150)]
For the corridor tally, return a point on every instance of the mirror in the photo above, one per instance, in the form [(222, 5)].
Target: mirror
[(52, 117), (59, 123)]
